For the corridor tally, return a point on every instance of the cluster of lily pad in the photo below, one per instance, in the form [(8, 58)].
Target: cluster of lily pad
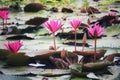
[(91, 60)]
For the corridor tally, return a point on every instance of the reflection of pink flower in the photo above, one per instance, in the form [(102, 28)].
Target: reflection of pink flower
[(53, 25), (4, 14), (111, 14), (96, 31), (75, 23), (13, 46)]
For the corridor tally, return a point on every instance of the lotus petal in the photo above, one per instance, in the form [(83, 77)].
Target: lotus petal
[(4, 14), (97, 30), (75, 23), (53, 25), (13, 46)]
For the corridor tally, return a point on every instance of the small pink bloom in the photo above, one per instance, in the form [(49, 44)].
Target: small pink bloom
[(97, 30), (75, 23), (111, 14), (4, 14), (13, 46), (53, 25)]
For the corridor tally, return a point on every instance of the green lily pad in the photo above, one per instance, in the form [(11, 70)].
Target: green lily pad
[(96, 65), (76, 70), (80, 79), (76, 67), (2, 63), (55, 72), (21, 70), (118, 77), (8, 77)]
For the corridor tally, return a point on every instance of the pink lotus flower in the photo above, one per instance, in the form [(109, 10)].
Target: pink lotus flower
[(95, 31), (53, 26), (4, 14), (111, 14), (13, 46), (75, 24)]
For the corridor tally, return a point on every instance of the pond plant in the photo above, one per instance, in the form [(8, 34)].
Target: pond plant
[(75, 24), (85, 4), (4, 14), (12, 2), (107, 2), (57, 2), (19, 59), (13, 46), (64, 59), (15, 58), (53, 26), (112, 14), (95, 31)]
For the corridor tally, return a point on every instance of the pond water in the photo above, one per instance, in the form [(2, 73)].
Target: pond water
[(41, 44)]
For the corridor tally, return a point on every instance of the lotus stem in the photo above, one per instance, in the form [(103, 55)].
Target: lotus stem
[(62, 30), (83, 45), (75, 39), (54, 41), (3, 24), (95, 48), (68, 60)]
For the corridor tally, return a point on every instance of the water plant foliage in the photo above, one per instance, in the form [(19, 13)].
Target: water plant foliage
[(107, 2)]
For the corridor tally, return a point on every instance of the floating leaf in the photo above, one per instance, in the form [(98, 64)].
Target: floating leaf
[(76, 67), (55, 72), (8, 77), (96, 65), (118, 77)]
